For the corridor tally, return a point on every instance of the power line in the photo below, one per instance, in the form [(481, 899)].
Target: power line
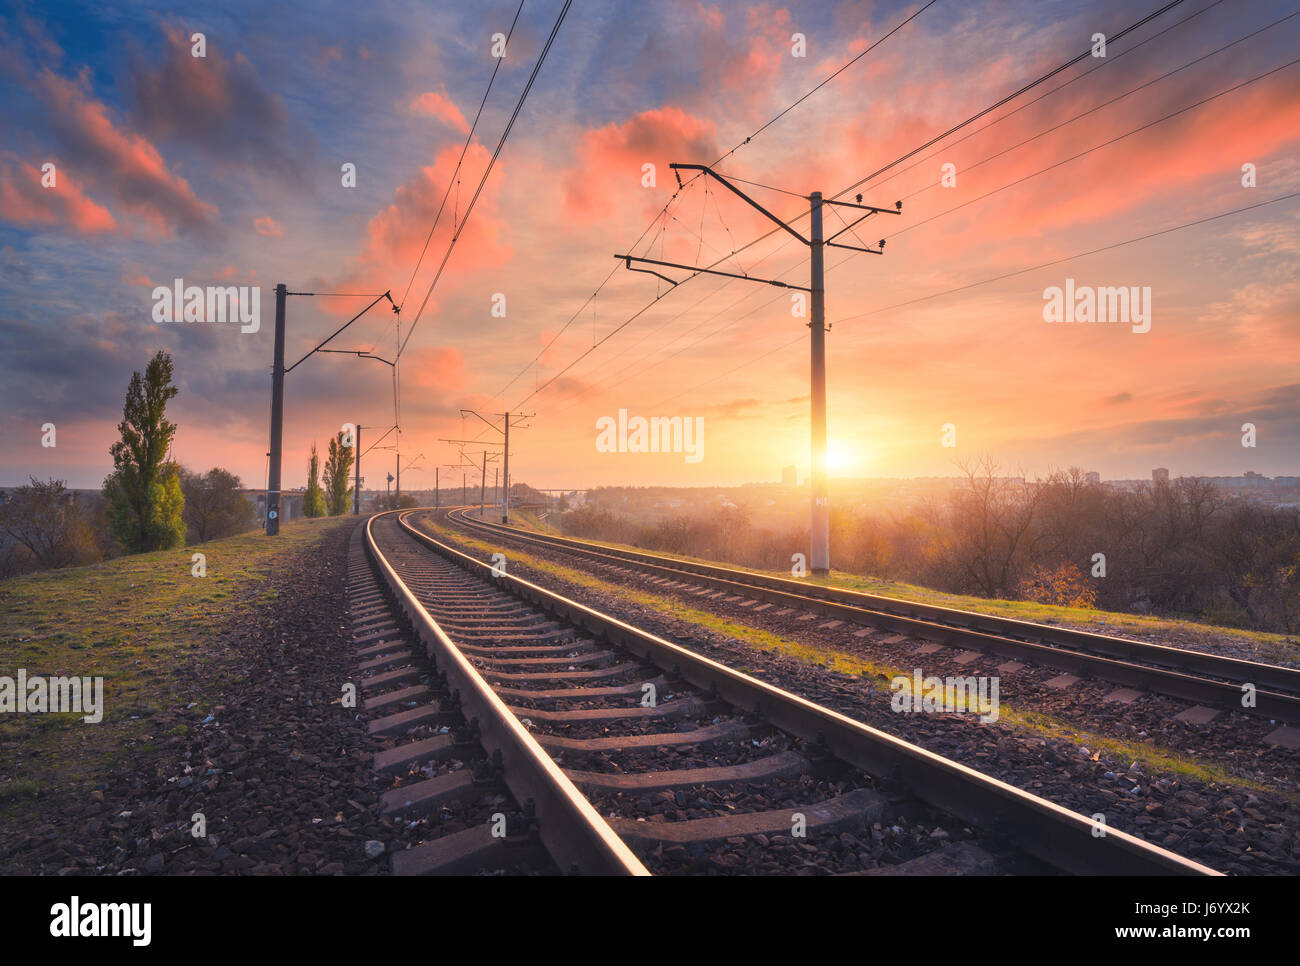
[(833, 76), (693, 178), (1105, 62), (957, 127), (1026, 177), (1058, 261), (468, 140), (961, 288), (1010, 97), (1114, 140), (1050, 263), (541, 58)]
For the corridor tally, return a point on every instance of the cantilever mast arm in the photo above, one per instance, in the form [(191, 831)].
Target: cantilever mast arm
[(705, 169)]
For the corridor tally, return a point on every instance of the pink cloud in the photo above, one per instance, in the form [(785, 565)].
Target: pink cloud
[(396, 235), (610, 158), (125, 162), (24, 201), (268, 227), (440, 368), (440, 106)]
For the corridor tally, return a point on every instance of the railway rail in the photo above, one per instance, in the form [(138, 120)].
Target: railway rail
[(1209, 680), (552, 696)]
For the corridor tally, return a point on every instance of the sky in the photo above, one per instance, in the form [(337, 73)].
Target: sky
[(228, 169)]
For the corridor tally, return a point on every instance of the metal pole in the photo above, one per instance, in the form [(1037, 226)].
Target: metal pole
[(435, 487), (482, 485), (277, 417), (496, 485), (356, 484), (505, 474), (821, 529), (398, 504)]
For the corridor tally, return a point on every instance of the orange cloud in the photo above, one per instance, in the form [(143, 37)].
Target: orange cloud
[(610, 158), (397, 234), (268, 227), (441, 107), (24, 201), (126, 162), (441, 368)]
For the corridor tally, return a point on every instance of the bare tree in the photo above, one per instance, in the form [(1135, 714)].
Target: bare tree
[(993, 519), (50, 522)]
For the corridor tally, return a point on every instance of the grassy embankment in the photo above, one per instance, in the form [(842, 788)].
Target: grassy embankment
[(159, 637)]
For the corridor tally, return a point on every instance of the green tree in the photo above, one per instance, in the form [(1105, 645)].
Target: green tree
[(143, 493), (214, 507), (313, 504), (337, 467)]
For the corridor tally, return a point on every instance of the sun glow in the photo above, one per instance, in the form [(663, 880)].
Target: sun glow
[(840, 457)]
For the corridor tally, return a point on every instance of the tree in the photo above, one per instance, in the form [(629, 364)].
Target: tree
[(313, 504), (214, 507), (993, 519), (337, 467), (387, 502), (51, 523), (143, 493)]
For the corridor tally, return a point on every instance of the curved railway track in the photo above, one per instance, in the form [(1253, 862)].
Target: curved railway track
[(1208, 680), (619, 750)]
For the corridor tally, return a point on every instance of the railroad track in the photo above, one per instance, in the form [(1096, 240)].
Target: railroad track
[(1212, 682), (618, 750)]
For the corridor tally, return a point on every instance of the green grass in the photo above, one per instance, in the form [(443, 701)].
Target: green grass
[(1152, 758), (147, 626), (18, 789)]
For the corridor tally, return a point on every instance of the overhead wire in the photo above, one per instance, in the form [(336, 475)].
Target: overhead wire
[(682, 186), (469, 138), (523, 96), (934, 140)]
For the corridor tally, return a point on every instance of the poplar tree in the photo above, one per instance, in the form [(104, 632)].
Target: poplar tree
[(337, 467), (313, 504), (142, 496)]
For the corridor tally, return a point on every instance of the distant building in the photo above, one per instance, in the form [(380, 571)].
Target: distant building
[(1094, 479), (1160, 475), (789, 476), (290, 504)]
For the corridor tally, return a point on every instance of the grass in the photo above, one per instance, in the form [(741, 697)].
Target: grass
[(147, 626), (1152, 758), (1267, 646)]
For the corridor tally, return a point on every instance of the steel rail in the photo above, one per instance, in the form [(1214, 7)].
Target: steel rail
[(571, 830), (1056, 835), (1154, 667)]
